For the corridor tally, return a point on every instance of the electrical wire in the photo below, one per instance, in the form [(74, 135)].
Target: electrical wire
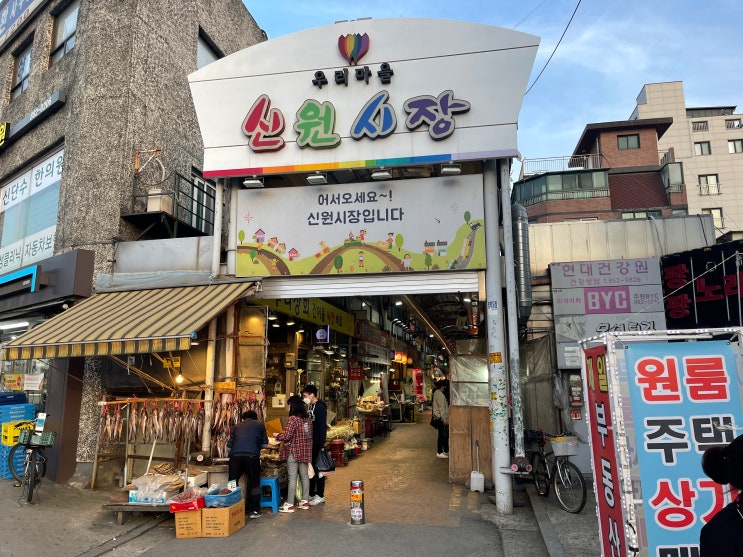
[(555, 49)]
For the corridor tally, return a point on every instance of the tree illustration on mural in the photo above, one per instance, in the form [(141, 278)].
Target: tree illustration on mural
[(399, 241), (253, 255), (428, 261), (338, 263), (241, 236), (467, 217)]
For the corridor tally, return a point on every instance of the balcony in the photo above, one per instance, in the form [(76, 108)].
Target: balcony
[(710, 189), (181, 209), (563, 195), (533, 167)]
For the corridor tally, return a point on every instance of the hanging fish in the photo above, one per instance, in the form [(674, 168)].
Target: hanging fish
[(132, 422)]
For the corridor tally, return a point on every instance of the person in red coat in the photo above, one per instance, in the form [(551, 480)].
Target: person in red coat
[(296, 450), (722, 536)]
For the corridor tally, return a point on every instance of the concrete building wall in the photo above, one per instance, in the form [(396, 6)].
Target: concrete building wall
[(645, 155), (667, 99)]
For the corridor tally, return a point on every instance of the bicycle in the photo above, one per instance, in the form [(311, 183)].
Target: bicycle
[(555, 468), (33, 444)]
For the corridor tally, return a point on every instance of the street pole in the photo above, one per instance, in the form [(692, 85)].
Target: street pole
[(497, 378)]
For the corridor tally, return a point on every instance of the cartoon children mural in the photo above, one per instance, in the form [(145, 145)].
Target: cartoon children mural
[(390, 240), (361, 258), (406, 262)]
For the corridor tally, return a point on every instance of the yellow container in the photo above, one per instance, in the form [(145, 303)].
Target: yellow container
[(11, 430)]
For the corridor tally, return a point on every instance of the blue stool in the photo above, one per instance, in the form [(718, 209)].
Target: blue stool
[(272, 500)]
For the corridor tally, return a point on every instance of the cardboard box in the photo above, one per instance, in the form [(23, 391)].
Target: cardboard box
[(220, 522), (188, 524)]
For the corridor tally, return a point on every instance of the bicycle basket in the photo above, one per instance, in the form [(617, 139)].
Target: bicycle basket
[(44, 439), (565, 445)]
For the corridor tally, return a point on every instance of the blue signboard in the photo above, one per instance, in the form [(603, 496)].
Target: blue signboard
[(13, 13), (685, 398)]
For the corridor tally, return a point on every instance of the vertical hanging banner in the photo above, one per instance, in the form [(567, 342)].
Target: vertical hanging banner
[(603, 444), (685, 398)]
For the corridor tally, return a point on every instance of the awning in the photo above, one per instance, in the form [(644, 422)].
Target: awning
[(129, 322)]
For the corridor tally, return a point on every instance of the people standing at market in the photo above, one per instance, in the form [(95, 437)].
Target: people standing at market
[(296, 450), (319, 413), (722, 536), (441, 411), (244, 449)]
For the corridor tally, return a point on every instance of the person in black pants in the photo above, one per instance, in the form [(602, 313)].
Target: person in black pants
[(319, 414), (244, 448)]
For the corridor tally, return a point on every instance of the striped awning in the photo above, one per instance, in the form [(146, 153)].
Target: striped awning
[(129, 322)]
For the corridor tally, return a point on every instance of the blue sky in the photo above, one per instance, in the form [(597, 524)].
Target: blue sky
[(610, 51)]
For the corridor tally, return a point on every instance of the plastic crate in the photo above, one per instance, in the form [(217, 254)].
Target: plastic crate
[(15, 397), (13, 412), (18, 460), (564, 446), (44, 439), (11, 430)]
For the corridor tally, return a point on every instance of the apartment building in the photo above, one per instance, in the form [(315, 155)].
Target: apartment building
[(708, 140)]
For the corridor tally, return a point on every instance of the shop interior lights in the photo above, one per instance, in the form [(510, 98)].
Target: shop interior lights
[(272, 317), (290, 321), (179, 378)]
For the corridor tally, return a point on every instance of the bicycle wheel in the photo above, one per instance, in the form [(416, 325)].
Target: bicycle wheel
[(570, 486), (11, 459), (31, 464), (41, 461), (540, 475)]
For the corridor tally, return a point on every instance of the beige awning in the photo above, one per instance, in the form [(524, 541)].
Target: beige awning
[(129, 322)]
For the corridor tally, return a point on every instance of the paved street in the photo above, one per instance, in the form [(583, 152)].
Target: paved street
[(410, 507)]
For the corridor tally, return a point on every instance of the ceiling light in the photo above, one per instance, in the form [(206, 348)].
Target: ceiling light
[(179, 378), (276, 324), (252, 182), (317, 179), (398, 303), (451, 169), (271, 317), (290, 321), (466, 299), (381, 174), (301, 329), (16, 325)]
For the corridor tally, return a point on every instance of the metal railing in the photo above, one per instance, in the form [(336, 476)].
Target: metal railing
[(531, 167), (709, 189), (189, 201), (666, 157), (563, 195)]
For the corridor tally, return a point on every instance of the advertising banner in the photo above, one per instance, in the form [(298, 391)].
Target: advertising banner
[(702, 287), (431, 224), (685, 397), (603, 444)]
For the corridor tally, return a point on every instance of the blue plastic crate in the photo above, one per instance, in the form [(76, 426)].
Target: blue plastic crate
[(12, 412), (13, 397), (18, 460)]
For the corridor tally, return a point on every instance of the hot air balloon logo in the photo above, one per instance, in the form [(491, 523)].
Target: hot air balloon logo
[(353, 47)]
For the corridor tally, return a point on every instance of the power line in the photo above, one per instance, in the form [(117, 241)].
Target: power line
[(555, 49), (527, 16)]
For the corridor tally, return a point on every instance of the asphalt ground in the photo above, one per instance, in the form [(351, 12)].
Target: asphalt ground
[(410, 509)]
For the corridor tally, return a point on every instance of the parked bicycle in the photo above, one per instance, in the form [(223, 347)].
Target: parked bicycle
[(32, 443), (555, 468)]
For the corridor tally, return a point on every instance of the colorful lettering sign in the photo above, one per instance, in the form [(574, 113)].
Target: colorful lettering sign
[(603, 444), (685, 398), (430, 91), (314, 310)]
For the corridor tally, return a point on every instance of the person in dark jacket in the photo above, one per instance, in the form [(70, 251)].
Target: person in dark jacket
[(319, 414), (722, 536), (244, 448)]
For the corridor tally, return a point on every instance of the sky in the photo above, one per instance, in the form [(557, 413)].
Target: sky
[(610, 50)]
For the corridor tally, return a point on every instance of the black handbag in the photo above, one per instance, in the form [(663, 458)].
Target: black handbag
[(435, 422), (324, 462)]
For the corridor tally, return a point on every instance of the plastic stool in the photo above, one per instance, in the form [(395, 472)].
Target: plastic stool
[(272, 500)]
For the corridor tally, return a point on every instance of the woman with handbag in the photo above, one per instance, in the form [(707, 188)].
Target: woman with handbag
[(296, 450), (441, 418)]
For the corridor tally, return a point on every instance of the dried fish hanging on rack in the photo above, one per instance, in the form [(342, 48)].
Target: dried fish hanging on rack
[(227, 412)]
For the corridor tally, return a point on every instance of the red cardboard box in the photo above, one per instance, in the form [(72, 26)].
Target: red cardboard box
[(191, 504)]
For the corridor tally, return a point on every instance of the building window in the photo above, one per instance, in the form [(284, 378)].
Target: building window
[(21, 72), (717, 219), (735, 146), (702, 148), (65, 28), (701, 126), (206, 52), (733, 124), (628, 141), (708, 184), (639, 214), (203, 194)]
